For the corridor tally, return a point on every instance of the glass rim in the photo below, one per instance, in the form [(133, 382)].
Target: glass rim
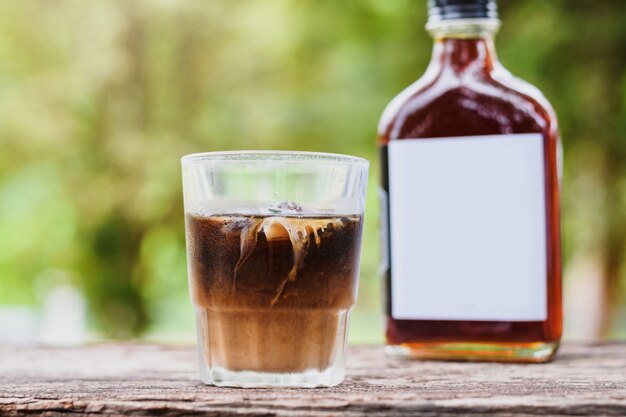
[(274, 156)]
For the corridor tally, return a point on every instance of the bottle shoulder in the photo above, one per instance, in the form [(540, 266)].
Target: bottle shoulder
[(413, 92), (524, 89), (443, 103)]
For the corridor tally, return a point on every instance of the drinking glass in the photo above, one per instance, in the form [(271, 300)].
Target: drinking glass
[(273, 248)]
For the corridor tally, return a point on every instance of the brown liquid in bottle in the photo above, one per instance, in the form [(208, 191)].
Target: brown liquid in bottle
[(466, 92)]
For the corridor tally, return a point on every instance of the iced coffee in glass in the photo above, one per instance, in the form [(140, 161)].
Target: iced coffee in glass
[(273, 247)]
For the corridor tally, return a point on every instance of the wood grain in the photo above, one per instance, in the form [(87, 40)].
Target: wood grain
[(112, 380)]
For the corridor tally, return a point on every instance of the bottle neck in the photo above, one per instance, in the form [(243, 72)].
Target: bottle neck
[(464, 45)]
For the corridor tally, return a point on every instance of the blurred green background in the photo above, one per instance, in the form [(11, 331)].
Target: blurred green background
[(99, 99)]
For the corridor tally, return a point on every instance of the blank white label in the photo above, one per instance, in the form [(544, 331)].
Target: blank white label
[(468, 228)]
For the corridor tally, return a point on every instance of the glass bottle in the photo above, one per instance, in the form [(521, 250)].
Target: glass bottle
[(470, 162)]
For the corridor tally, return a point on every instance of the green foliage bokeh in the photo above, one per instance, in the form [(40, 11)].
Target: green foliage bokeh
[(99, 99)]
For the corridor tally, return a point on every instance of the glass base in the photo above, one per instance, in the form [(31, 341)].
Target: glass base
[(249, 379), (272, 348), (535, 352)]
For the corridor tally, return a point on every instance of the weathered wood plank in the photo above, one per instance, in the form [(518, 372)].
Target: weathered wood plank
[(161, 380)]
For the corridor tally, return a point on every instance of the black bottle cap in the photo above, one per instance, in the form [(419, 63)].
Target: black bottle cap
[(461, 9)]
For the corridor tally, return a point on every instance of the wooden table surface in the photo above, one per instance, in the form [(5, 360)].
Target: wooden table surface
[(123, 379)]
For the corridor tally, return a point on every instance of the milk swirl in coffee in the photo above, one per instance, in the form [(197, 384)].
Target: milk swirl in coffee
[(270, 290)]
